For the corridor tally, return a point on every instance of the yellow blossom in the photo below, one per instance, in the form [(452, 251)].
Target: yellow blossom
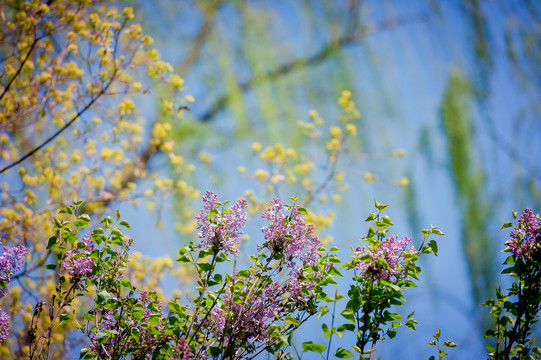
[(404, 181), (261, 175)]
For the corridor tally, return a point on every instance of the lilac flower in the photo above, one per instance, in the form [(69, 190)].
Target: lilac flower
[(525, 241), (289, 235), (220, 230), (216, 322), (78, 265), (183, 350), (78, 262), (371, 261), (298, 292), (4, 326), (249, 320), (11, 261)]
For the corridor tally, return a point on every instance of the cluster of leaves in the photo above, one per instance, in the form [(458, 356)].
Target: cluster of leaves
[(72, 75), (517, 310), (381, 272), (234, 316), (436, 342)]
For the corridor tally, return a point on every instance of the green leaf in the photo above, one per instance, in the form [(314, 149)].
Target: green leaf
[(371, 216), (57, 224), (510, 260), (126, 284), (291, 320), (103, 296), (203, 266), (380, 206), (340, 330), (82, 221), (330, 280), (387, 220), (154, 319), (312, 346), (334, 271), (302, 210), (322, 311), (50, 267), (52, 242), (183, 259), (175, 307), (342, 353), (106, 220), (83, 352), (125, 224), (243, 274), (489, 302), (213, 212), (66, 210), (434, 246), (435, 230), (348, 314), (65, 318), (326, 331), (506, 225), (449, 343)]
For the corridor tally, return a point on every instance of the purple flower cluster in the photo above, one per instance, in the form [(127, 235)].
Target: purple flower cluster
[(11, 261), (525, 241), (220, 230), (290, 236), (249, 320), (4, 326), (390, 251), (78, 263), (182, 349)]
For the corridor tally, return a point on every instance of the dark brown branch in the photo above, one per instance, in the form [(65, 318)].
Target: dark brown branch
[(36, 40), (354, 35), (63, 128)]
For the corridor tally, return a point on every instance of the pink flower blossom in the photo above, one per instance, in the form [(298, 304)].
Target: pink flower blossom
[(220, 230), (290, 236), (4, 326), (525, 240), (390, 251)]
